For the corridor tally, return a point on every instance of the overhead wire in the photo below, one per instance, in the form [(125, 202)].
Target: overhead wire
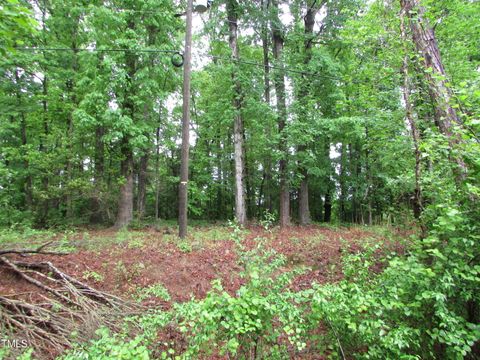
[(280, 67), (216, 57), (99, 50)]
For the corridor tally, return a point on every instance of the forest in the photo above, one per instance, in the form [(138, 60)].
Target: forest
[(226, 179)]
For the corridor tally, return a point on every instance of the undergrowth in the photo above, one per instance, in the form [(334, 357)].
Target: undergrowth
[(422, 305)]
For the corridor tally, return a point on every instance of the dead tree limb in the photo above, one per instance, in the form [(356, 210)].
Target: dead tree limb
[(62, 305), (38, 250)]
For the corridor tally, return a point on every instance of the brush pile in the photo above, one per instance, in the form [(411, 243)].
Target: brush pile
[(62, 310)]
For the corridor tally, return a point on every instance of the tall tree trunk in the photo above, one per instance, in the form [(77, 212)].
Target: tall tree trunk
[(343, 186), (417, 198), (368, 196), (327, 207), (73, 99), (45, 203), (157, 171), (96, 210), (27, 186), (183, 186), (309, 22), (99, 162), (266, 80), (277, 37), (445, 115), (43, 148), (355, 170), (125, 202), (240, 208), (142, 185), (148, 117)]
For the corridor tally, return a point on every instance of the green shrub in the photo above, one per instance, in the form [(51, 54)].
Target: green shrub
[(110, 346), (262, 312), (157, 290)]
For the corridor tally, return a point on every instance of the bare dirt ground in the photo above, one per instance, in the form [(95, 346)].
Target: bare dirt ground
[(122, 263)]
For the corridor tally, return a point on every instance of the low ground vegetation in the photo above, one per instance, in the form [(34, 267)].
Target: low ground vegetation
[(309, 293)]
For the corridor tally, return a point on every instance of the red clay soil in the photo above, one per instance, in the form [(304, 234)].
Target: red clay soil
[(187, 274)]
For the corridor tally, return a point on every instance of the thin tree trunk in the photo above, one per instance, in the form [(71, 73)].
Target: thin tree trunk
[(96, 215), (368, 176), (343, 190), (278, 41), (355, 169), (73, 99), (240, 209), (99, 162), (327, 207), (27, 186), (183, 187), (45, 179), (157, 172), (45, 203), (142, 185), (266, 80)]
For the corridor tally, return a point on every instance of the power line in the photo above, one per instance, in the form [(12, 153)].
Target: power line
[(286, 69), (216, 57), (273, 67), (280, 67), (101, 50)]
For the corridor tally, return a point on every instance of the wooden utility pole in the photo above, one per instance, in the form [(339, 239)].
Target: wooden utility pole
[(183, 187)]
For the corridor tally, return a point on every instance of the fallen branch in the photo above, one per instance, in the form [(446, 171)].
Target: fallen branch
[(34, 281), (68, 305), (38, 250), (107, 299)]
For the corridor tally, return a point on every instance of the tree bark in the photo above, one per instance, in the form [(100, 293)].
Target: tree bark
[(278, 40), (445, 115), (99, 162), (417, 197), (309, 22), (266, 80), (73, 99), (327, 207), (45, 180), (342, 181), (157, 171), (240, 208), (330, 186), (45, 203), (27, 186), (142, 185), (368, 177), (183, 187), (125, 203)]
